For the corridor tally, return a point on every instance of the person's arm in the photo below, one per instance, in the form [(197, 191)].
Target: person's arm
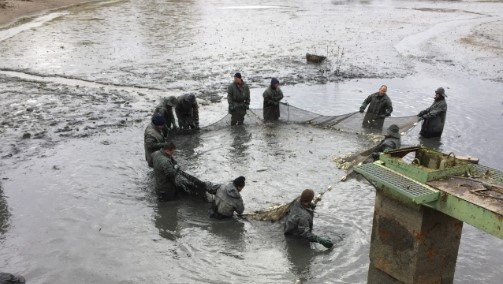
[(305, 229), (240, 207), (266, 95), (434, 111), (280, 97), (171, 117), (169, 169), (247, 96), (230, 98), (365, 103), (195, 110), (389, 107), (152, 144)]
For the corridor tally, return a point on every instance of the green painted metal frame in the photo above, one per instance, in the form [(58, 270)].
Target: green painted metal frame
[(420, 173), (366, 170), (444, 202), (472, 214)]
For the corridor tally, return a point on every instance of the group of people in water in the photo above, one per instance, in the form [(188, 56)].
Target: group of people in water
[(226, 198)]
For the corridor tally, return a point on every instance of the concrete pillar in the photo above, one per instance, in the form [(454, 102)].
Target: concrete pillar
[(411, 243)]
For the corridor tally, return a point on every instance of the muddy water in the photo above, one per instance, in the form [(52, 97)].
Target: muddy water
[(77, 206)]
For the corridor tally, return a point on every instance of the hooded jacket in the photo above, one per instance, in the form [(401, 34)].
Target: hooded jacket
[(227, 200), (299, 221)]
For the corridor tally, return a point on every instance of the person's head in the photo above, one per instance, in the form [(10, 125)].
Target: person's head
[(382, 90), (306, 197), (158, 121), (169, 148), (170, 101), (394, 131), (191, 98), (440, 94), (239, 183), (274, 83), (237, 78)]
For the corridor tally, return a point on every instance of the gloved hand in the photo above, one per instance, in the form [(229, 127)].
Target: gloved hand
[(326, 243), (375, 155), (177, 167), (382, 116), (421, 113), (362, 110), (420, 118)]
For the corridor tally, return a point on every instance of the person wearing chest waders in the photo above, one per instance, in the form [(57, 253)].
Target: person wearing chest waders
[(227, 199), (434, 116), (238, 97), (391, 141), (165, 108), (380, 107), (272, 96), (154, 137), (165, 171), (299, 219), (187, 112)]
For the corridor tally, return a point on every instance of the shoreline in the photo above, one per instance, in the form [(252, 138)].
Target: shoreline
[(12, 11)]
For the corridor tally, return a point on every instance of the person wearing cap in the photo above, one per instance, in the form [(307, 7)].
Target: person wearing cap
[(238, 97), (187, 112), (272, 96), (154, 137), (227, 199), (165, 171), (380, 107), (299, 219), (434, 117), (392, 140), (165, 108)]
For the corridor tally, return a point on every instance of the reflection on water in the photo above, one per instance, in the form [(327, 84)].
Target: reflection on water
[(166, 219), (4, 214), (300, 254), (239, 145), (231, 231)]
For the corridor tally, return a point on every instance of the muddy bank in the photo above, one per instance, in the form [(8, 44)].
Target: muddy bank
[(14, 10)]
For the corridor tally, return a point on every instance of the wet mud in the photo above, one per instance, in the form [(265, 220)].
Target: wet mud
[(77, 89)]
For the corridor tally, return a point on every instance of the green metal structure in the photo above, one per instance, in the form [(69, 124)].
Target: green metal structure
[(457, 187)]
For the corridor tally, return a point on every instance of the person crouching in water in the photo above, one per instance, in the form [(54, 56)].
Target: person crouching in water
[(392, 140), (299, 219), (227, 199)]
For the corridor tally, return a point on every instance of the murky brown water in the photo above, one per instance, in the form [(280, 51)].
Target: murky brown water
[(77, 206)]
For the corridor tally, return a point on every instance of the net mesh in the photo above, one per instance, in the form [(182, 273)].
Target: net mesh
[(348, 123)]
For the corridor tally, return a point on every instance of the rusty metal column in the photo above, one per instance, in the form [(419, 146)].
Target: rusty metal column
[(412, 243)]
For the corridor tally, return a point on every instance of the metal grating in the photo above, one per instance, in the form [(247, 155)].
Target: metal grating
[(416, 191), (494, 173)]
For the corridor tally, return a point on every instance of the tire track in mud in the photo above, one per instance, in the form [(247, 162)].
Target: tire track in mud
[(431, 48)]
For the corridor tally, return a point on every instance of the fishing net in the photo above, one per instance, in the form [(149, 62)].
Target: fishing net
[(273, 214), (349, 123)]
